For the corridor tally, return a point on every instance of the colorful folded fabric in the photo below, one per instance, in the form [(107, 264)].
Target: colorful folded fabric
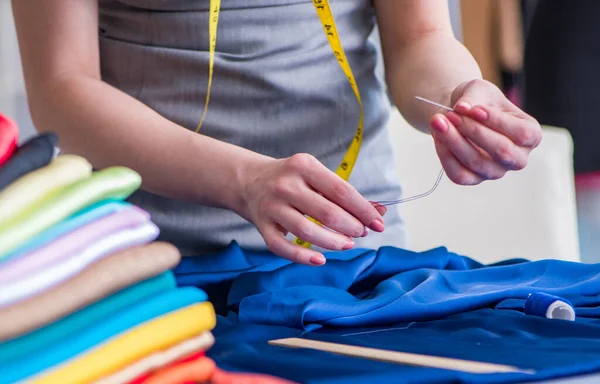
[(88, 316), (111, 183), (196, 370), (99, 280), (36, 153), (125, 349), (32, 187), (9, 137), (32, 285), (81, 218), (116, 325), (71, 245), (146, 366)]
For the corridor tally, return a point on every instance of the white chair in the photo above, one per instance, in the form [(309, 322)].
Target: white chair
[(528, 214)]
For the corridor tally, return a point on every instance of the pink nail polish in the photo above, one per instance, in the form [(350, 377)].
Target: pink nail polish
[(454, 118), (377, 226), (317, 259), (479, 114), (463, 106), (439, 124), (349, 245)]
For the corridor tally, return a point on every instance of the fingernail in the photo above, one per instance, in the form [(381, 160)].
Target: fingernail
[(454, 118), (439, 124), (365, 233), (463, 105), (377, 226), (479, 114), (317, 259), (349, 245)]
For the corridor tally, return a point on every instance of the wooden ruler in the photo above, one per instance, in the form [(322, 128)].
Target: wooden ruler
[(399, 357)]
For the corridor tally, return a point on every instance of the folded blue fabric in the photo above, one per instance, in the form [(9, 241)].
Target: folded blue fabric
[(84, 318), (361, 288), (435, 303), (110, 326), (552, 348), (82, 218)]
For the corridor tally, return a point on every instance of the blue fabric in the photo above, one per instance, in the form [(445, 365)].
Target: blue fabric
[(553, 348), (457, 304), (84, 318), (83, 217), (110, 326)]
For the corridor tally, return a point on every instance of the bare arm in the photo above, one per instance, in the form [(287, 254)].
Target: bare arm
[(422, 56), (486, 135), (59, 49)]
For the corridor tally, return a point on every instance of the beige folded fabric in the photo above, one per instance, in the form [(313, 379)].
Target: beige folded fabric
[(203, 342), (96, 282)]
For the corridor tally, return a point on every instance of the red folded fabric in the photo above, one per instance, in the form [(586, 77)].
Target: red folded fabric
[(9, 137), (143, 378), (197, 370), (223, 377)]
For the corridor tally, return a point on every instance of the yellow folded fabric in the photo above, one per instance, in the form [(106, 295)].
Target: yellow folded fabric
[(160, 359), (139, 342), (28, 189)]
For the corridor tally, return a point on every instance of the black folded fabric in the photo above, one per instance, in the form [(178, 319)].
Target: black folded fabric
[(35, 153)]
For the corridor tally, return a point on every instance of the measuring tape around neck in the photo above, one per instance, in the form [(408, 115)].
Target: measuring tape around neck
[(323, 9)]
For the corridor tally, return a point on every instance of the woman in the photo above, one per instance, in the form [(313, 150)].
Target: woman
[(124, 82)]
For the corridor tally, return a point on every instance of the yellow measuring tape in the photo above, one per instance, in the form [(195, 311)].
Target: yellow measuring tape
[(323, 9), (215, 8)]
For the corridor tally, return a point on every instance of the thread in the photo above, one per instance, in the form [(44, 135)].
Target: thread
[(385, 203), (549, 306)]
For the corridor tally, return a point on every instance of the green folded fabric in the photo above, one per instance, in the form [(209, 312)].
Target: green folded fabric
[(116, 183)]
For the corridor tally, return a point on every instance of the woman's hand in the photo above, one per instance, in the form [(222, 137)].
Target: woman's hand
[(485, 137), (279, 193)]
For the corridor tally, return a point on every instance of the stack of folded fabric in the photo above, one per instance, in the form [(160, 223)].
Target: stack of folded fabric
[(86, 292)]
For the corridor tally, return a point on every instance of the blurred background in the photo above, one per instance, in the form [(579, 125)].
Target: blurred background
[(541, 53)]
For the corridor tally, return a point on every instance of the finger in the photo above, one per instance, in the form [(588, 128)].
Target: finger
[(345, 196), (332, 216), (464, 151), (454, 169), (522, 129), (282, 247), (498, 146), (382, 209), (303, 228)]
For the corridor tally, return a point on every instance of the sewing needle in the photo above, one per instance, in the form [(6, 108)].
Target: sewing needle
[(433, 103)]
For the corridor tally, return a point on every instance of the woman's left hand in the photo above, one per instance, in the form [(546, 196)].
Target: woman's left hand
[(485, 137)]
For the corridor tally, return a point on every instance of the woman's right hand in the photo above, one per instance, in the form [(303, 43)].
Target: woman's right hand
[(279, 193)]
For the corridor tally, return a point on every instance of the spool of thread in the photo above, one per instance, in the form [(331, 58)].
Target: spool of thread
[(549, 306)]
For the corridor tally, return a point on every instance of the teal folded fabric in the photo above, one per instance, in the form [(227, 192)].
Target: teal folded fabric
[(53, 334), (115, 323), (112, 183), (77, 220)]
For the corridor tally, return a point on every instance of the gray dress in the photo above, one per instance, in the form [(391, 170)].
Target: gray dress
[(277, 90)]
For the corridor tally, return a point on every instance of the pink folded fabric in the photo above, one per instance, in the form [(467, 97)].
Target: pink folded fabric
[(70, 244), (54, 275)]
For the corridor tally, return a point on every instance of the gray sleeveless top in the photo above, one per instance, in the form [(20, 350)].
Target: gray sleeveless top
[(277, 90)]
